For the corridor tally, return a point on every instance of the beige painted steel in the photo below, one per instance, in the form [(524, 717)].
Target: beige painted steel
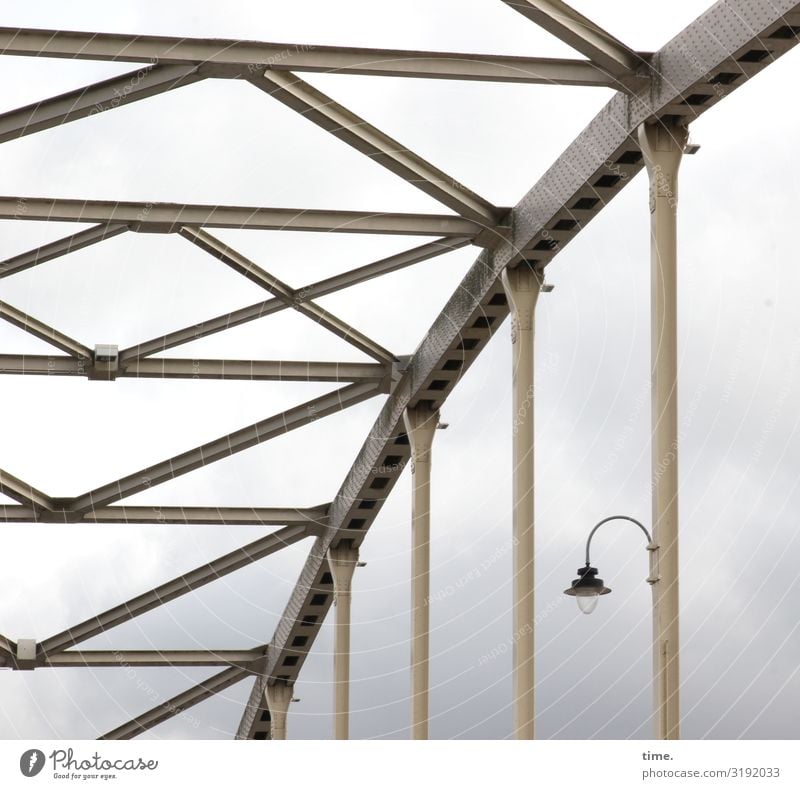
[(421, 424), (24, 493), (223, 447), (315, 106), (690, 60), (342, 562), (663, 149), (251, 370), (179, 704), (8, 648), (247, 268), (92, 99), (522, 286), (177, 587), (116, 658), (248, 57), (154, 217), (579, 32), (314, 518), (312, 291), (44, 332), (278, 697), (55, 249)]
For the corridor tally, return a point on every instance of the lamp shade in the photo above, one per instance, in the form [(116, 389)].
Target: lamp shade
[(587, 588)]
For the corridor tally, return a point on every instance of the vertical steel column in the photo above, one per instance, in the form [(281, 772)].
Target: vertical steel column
[(421, 423), (342, 562), (522, 286), (662, 147), (278, 697)]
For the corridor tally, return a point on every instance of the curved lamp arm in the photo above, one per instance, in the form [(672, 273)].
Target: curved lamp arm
[(613, 518)]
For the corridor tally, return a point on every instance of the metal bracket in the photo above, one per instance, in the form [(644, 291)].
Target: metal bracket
[(26, 654), (106, 363), (654, 576)]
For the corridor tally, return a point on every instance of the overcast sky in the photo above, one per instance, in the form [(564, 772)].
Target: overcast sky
[(225, 142)]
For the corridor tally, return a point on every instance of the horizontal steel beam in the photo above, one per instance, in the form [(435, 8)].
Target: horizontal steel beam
[(687, 63), (171, 217), (223, 447), (37, 328), (38, 364), (313, 517), (256, 370), (178, 704), (123, 658), (93, 99), (173, 589), (55, 249), (201, 369), (316, 290), (379, 147), (251, 56), (17, 513), (580, 33), (241, 265), (24, 493)]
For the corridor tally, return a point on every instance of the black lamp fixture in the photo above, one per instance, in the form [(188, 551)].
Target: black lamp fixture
[(587, 587)]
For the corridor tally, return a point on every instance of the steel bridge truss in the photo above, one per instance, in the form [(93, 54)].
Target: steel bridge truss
[(714, 55)]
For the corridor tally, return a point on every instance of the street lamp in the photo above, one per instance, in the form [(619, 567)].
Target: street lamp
[(587, 587)]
